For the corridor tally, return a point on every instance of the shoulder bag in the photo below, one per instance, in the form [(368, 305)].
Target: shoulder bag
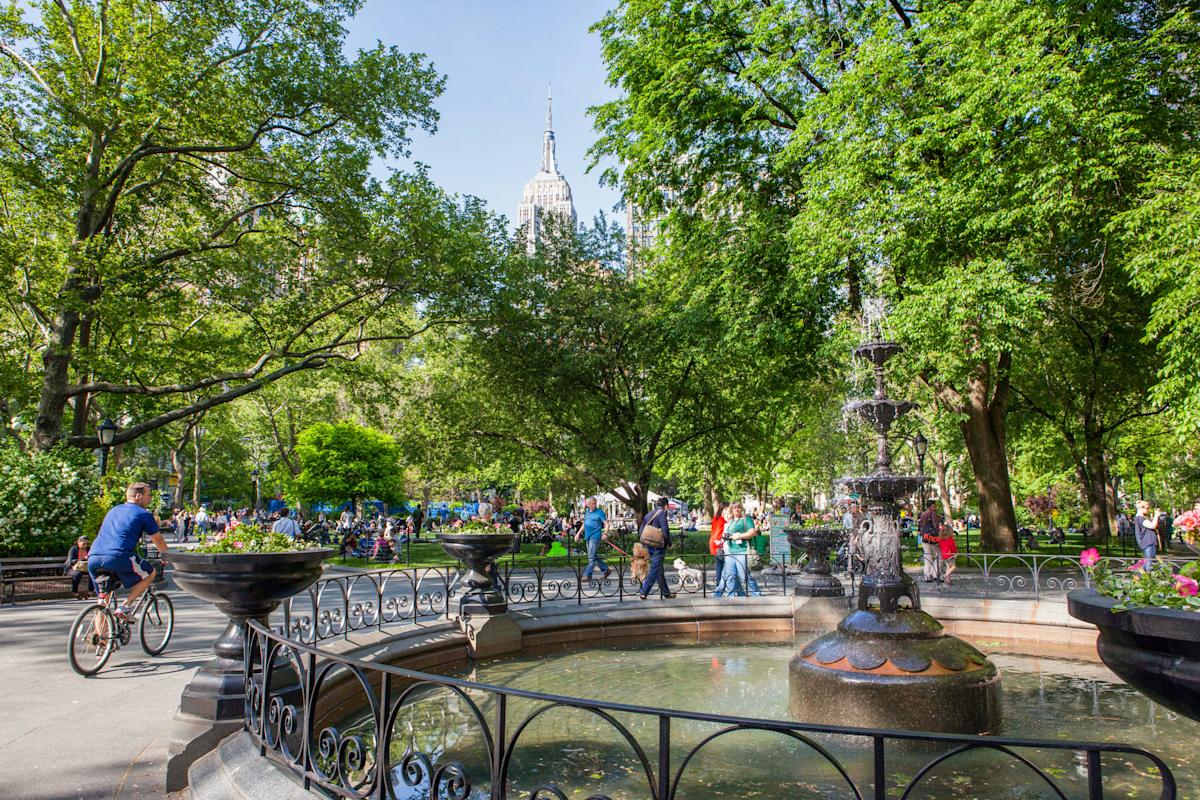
[(652, 535)]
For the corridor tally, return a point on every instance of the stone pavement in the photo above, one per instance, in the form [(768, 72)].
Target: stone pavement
[(65, 737)]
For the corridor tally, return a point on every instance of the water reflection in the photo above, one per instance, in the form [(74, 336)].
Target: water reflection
[(1045, 697)]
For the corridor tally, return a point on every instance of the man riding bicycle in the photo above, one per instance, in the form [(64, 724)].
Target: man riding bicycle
[(115, 548)]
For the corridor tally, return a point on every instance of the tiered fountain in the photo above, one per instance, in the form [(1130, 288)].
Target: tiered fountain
[(889, 664)]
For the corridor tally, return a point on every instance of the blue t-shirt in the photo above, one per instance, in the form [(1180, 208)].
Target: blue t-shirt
[(122, 529), (593, 523)]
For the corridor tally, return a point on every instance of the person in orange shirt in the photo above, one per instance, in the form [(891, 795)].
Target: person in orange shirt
[(717, 538)]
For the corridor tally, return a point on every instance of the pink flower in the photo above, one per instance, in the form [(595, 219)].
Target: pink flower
[(1089, 557), (1188, 521), (239, 545), (1186, 586), (1135, 567)]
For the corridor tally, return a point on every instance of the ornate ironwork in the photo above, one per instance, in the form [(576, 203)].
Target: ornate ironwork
[(293, 691)]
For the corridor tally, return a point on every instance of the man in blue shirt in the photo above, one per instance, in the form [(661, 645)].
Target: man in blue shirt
[(595, 531), (115, 548)]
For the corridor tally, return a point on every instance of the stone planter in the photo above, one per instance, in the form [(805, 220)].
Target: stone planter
[(479, 551), (1154, 650), (243, 586), (816, 580)]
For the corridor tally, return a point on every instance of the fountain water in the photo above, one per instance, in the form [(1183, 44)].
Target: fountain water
[(890, 663)]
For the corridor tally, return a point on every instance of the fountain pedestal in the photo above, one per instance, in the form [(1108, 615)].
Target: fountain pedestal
[(889, 664), (817, 578)]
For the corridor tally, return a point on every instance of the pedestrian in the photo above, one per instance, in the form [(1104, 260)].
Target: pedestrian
[(656, 538), (928, 525), (949, 552), (286, 525), (716, 540), (201, 521), (738, 533), (1145, 532), (594, 532)]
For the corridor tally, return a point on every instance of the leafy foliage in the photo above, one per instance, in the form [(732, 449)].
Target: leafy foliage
[(343, 461)]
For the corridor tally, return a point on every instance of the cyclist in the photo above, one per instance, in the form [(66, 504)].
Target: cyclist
[(115, 547)]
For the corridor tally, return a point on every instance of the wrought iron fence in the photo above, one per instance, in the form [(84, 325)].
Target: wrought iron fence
[(298, 710), (340, 605)]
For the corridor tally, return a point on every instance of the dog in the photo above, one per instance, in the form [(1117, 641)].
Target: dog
[(639, 565), (688, 576)]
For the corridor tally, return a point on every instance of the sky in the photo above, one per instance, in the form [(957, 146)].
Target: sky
[(497, 56)]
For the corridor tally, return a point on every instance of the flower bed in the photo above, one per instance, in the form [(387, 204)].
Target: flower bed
[(1157, 585)]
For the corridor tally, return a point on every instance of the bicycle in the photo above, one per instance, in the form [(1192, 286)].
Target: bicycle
[(98, 632)]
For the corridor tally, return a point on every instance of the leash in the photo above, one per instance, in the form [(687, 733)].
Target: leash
[(619, 550)]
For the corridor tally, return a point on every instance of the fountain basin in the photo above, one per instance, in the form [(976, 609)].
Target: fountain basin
[(1155, 650), (817, 579)]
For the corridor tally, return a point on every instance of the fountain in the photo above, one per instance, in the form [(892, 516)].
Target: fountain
[(889, 664)]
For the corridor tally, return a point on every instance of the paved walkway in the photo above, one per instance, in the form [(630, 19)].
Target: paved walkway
[(65, 737)]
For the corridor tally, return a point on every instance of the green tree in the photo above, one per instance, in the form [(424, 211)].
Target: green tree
[(343, 461), (188, 213)]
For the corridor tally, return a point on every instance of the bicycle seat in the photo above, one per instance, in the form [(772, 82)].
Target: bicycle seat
[(104, 578)]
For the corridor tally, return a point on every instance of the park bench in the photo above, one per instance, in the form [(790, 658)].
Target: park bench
[(33, 579), (42, 578)]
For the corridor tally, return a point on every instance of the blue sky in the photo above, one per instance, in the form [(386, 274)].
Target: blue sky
[(497, 56)]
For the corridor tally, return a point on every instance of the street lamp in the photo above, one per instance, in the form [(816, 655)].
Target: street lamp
[(106, 433), (254, 477), (1140, 466), (921, 446)]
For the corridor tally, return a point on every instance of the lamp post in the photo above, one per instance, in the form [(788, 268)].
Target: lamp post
[(1140, 466), (106, 433), (921, 446), (257, 495)]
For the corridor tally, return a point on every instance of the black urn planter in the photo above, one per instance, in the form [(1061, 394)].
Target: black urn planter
[(243, 586), (817, 580), (479, 551), (1154, 650)]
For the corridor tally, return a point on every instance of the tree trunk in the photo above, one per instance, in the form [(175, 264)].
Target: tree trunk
[(709, 493), (1095, 489), (984, 435), (56, 360), (197, 457), (939, 465)]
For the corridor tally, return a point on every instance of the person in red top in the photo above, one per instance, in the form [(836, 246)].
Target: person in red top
[(717, 538), (949, 552)]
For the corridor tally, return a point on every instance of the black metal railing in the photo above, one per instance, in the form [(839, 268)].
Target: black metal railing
[(340, 605), (352, 728)]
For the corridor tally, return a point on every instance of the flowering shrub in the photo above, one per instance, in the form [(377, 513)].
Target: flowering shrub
[(1134, 587), (44, 499), (248, 539), (476, 526)]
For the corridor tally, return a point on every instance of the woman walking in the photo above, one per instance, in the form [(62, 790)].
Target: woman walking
[(656, 536), (738, 533), (716, 540)]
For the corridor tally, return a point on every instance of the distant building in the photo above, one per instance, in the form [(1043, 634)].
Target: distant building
[(547, 193)]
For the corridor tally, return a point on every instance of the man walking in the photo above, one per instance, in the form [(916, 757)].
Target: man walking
[(595, 531), (928, 525), (418, 519)]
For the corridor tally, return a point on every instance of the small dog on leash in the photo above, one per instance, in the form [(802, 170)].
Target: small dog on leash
[(639, 565), (688, 576)]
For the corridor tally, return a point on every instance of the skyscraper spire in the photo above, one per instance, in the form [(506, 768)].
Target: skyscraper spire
[(547, 193), (549, 156)]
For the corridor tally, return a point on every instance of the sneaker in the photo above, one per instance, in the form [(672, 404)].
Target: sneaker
[(607, 572), (124, 613), (670, 596)]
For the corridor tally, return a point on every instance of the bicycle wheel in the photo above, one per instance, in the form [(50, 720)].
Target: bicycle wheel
[(91, 640), (158, 620)]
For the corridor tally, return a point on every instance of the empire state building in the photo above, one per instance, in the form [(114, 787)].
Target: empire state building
[(546, 193)]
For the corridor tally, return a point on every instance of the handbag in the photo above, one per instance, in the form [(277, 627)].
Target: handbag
[(80, 566), (653, 536)]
